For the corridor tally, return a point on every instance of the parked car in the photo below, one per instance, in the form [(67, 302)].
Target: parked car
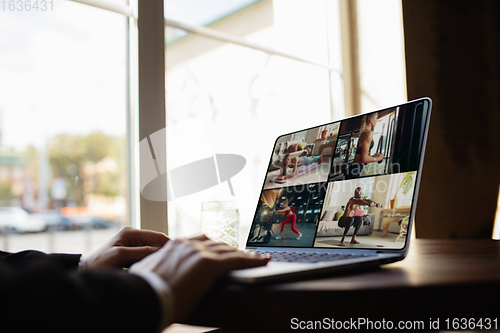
[(16, 219), (101, 223), (55, 220), (93, 221)]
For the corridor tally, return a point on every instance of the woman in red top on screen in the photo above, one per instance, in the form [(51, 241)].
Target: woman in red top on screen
[(291, 217)]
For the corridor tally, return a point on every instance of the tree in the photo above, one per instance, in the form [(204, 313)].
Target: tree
[(6, 191), (68, 155), (66, 158)]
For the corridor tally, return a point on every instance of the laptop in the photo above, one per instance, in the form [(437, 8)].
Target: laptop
[(339, 196)]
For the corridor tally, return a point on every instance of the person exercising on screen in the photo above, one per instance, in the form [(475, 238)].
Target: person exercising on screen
[(303, 159), (291, 217), (347, 220), (365, 144)]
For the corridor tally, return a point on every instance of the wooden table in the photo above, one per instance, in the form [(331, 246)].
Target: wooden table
[(439, 279)]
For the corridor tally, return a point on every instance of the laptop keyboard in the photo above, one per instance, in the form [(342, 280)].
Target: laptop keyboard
[(311, 257)]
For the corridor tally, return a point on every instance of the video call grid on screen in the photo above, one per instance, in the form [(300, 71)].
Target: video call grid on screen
[(357, 174)]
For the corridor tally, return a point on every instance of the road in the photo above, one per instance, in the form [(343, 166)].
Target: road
[(74, 241)]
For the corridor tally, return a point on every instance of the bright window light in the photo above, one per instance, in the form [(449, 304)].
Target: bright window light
[(496, 225)]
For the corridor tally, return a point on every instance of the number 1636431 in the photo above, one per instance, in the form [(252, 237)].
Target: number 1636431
[(26, 5)]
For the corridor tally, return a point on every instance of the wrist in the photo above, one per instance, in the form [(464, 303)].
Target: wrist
[(82, 264)]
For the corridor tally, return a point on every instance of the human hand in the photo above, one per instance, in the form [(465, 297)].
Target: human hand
[(125, 248), (190, 267), (378, 157)]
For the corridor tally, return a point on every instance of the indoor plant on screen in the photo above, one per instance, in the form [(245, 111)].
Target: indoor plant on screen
[(406, 185)]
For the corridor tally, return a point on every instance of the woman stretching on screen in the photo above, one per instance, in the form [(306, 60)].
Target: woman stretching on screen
[(291, 217), (296, 160)]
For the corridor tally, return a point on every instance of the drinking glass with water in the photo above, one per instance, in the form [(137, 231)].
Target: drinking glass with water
[(220, 221)]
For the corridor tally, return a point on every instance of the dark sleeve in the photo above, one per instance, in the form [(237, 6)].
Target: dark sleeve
[(21, 259), (41, 292)]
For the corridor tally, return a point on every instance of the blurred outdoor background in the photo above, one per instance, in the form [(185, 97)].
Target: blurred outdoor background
[(63, 185)]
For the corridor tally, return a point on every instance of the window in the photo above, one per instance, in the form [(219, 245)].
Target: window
[(70, 83), (246, 97), (63, 111)]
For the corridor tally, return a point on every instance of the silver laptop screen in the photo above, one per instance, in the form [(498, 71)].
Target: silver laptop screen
[(346, 184)]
